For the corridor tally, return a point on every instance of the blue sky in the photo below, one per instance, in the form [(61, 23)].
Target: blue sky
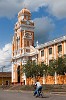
[(49, 17)]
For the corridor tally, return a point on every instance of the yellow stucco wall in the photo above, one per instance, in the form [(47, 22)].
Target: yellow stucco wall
[(4, 79)]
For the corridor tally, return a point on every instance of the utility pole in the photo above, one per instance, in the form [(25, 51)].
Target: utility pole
[(2, 75)]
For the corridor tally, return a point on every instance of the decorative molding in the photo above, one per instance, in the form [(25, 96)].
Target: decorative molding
[(51, 42)]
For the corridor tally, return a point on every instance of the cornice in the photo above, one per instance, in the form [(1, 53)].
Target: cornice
[(55, 41)]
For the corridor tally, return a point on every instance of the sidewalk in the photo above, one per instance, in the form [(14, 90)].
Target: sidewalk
[(25, 91)]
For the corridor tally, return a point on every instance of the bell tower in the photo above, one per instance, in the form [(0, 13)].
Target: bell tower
[(27, 27), (24, 33), (22, 40)]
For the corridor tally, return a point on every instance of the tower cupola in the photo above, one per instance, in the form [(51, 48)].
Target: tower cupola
[(25, 14)]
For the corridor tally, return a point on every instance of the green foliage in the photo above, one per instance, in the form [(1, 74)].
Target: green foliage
[(32, 69), (43, 69), (27, 68), (58, 65)]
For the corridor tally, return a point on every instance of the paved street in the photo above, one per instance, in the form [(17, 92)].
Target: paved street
[(24, 95)]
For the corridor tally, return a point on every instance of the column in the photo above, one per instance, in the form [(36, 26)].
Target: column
[(44, 80), (55, 78)]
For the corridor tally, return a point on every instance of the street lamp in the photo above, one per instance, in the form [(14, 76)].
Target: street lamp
[(2, 75)]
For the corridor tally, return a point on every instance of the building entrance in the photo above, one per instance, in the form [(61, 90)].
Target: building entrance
[(18, 74)]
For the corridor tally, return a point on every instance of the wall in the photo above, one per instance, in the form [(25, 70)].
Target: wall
[(60, 79), (4, 79)]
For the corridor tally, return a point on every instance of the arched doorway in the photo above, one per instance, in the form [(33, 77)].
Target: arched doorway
[(18, 74)]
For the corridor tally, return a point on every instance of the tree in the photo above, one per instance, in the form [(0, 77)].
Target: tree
[(43, 69), (52, 67), (35, 69), (64, 64), (27, 68), (32, 69), (58, 65)]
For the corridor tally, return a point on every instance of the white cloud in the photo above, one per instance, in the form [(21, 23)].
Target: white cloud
[(43, 27), (5, 57), (35, 4), (10, 8), (57, 8)]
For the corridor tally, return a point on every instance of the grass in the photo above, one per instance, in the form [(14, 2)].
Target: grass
[(46, 88)]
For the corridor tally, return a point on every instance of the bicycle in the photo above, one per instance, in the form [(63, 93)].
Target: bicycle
[(39, 93)]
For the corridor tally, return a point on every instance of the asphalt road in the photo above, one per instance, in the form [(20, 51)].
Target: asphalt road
[(24, 95)]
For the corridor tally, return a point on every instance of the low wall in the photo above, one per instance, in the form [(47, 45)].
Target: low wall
[(59, 79)]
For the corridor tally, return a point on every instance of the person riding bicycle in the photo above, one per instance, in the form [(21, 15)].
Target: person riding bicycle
[(38, 88)]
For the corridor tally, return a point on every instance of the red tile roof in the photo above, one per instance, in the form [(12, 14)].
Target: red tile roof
[(5, 74)]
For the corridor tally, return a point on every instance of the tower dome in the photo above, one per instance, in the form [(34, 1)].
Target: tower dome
[(24, 11)]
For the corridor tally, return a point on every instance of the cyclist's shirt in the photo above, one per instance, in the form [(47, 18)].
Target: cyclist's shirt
[(38, 84)]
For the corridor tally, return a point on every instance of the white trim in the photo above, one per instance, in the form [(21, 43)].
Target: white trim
[(51, 42), (54, 52)]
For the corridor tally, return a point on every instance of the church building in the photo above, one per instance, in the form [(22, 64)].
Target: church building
[(23, 46)]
